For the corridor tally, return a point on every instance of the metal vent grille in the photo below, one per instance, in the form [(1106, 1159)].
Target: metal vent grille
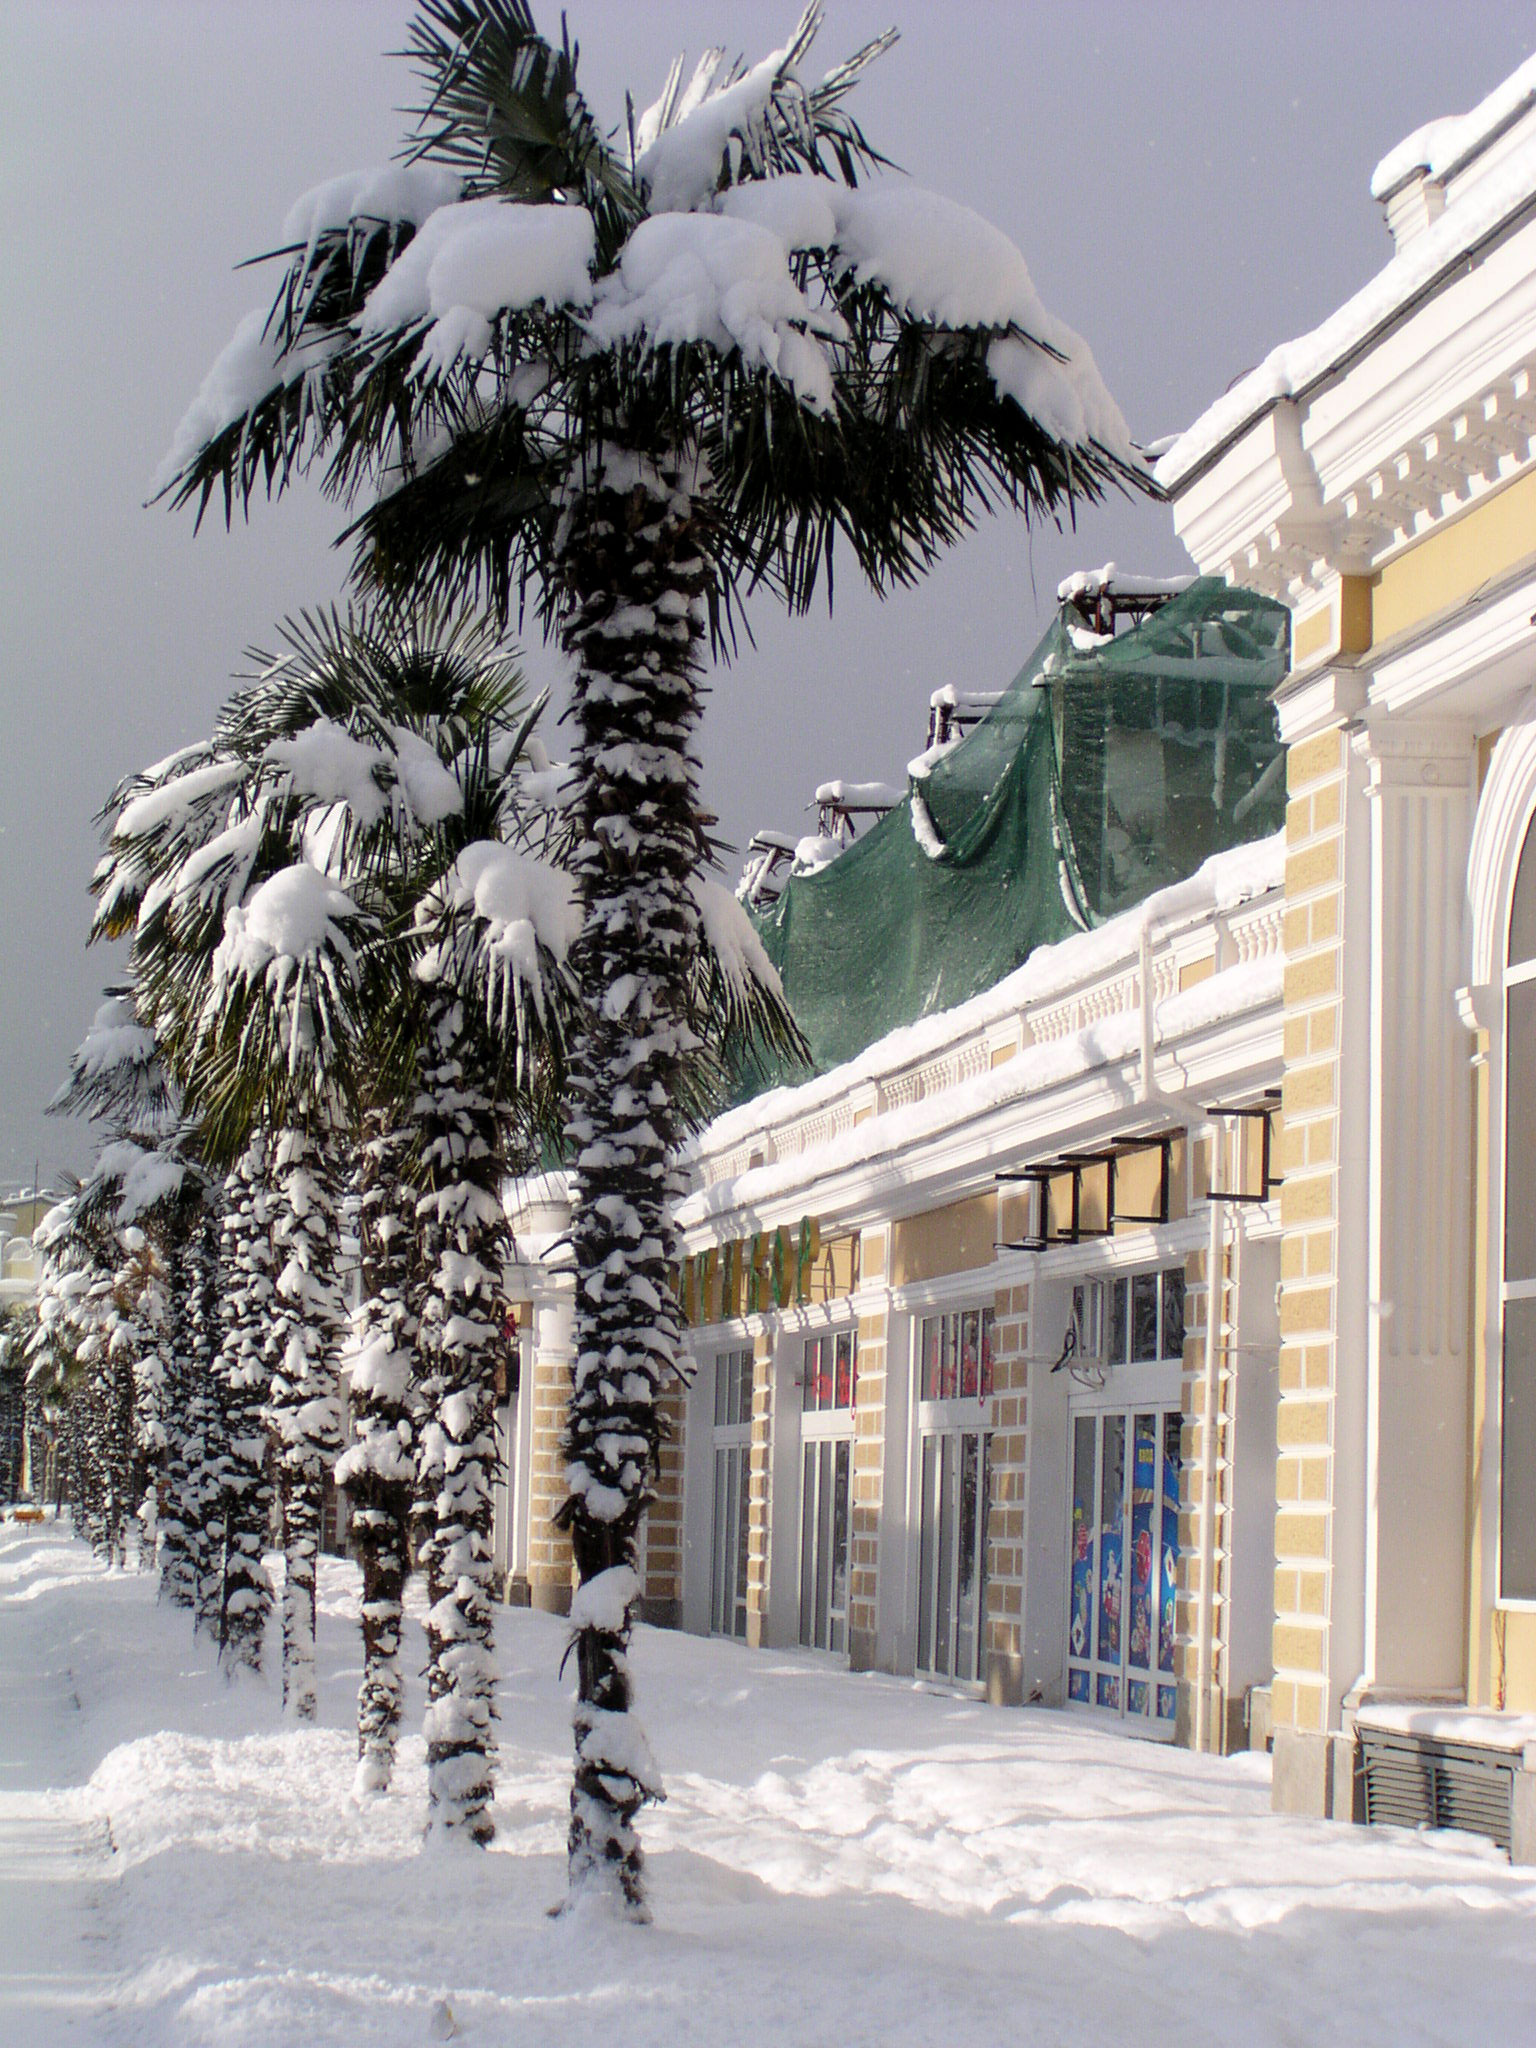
[(1415, 1781)]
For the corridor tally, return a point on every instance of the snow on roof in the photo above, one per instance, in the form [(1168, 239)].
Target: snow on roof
[(1440, 147), (1222, 884), (859, 796), (1289, 369), (1090, 582)]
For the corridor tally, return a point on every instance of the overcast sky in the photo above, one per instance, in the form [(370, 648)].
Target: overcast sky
[(1187, 182)]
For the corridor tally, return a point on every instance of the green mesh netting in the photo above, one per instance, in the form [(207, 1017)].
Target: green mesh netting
[(1108, 769)]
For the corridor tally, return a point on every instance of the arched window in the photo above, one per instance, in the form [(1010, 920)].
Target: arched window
[(1517, 1477)]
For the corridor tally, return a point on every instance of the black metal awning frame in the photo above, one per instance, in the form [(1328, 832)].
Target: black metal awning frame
[(1076, 1163)]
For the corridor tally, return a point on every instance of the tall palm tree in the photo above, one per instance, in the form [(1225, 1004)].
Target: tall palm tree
[(639, 379)]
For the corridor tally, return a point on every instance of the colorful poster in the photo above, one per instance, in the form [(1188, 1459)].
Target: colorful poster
[(1143, 1516), (1168, 1576)]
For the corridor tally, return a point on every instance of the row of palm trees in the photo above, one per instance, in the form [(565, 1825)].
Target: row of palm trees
[(626, 379), (349, 916)]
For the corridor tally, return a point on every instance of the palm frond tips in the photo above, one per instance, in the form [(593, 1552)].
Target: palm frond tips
[(503, 109)]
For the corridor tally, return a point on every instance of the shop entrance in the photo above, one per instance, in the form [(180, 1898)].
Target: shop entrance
[(952, 1554), (1124, 1562), (829, 1393)]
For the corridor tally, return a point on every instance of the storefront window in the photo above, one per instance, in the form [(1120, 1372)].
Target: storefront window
[(956, 1356), (831, 1377), (1146, 1317)]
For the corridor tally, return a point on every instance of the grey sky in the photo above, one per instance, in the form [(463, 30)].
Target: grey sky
[(1188, 184)]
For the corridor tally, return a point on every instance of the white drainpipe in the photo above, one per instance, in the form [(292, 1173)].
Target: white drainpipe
[(1204, 1654)]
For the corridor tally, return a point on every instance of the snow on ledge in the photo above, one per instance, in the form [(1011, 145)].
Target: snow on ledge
[(1440, 147), (1223, 884), (1438, 1723)]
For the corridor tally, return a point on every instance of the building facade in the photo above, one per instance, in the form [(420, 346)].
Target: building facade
[(1379, 476), (959, 1407), (1153, 1334)]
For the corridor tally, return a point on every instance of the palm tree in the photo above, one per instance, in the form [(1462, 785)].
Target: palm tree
[(640, 380)]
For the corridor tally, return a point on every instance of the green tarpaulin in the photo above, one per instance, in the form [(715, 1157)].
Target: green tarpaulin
[(1109, 768)]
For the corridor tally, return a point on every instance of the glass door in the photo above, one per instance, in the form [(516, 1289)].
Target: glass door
[(952, 1554), (828, 1393), (1124, 1563), (733, 1480)]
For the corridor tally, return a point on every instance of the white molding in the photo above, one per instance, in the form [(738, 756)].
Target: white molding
[(1316, 702), (1504, 814)]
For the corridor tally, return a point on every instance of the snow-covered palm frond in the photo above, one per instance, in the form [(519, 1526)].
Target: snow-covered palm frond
[(282, 1012), (732, 123), (854, 361), (741, 1012), (116, 1072)]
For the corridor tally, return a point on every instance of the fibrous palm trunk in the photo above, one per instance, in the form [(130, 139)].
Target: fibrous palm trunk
[(246, 1266), (378, 1470), (461, 1249), (177, 1530), (304, 1340), (209, 1424), (633, 576)]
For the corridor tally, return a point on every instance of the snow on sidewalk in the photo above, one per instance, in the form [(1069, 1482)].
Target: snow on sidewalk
[(841, 1859)]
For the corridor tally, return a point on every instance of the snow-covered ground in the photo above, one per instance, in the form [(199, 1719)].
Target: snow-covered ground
[(841, 1860)]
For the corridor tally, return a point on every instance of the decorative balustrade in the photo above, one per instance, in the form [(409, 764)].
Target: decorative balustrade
[(1250, 933)]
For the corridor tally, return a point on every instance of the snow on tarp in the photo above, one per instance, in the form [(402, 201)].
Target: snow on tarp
[(1291, 368), (1223, 884), (1098, 776), (1440, 146), (479, 258)]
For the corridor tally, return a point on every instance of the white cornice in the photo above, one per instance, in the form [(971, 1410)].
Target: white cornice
[(1438, 409), (965, 1158)]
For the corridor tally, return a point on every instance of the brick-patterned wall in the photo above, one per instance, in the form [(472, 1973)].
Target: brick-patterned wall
[(1314, 872), (663, 1593), (549, 1551), (1007, 1512), (1193, 1563), (760, 1491), (868, 1469)]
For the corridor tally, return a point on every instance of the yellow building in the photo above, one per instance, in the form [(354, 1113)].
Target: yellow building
[(1378, 476)]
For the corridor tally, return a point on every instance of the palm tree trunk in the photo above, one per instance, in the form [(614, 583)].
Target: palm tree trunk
[(209, 1430), (462, 1248), (378, 1470), (632, 574), (178, 1564), (246, 1269), (304, 1345)]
